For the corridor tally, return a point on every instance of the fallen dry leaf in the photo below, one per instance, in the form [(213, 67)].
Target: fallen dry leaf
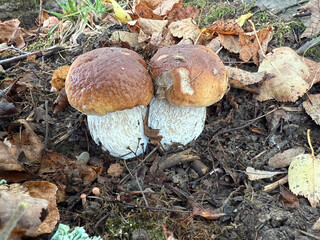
[(290, 74), (245, 77), (290, 197), (166, 6), (7, 108), (304, 177), (314, 70), (115, 170), (249, 45), (313, 29), (182, 12), (222, 26), (207, 213), (11, 32), (58, 78), (143, 11), (185, 29), (49, 24), (151, 31), (316, 225), (230, 42), (312, 107), (60, 103), (275, 118), (281, 160), (254, 174), (34, 213), (22, 151), (47, 191), (131, 38)]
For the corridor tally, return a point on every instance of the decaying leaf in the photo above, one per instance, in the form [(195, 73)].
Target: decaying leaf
[(11, 32), (314, 70), (115, 170), (60, 103), (47, 191), (241, 20), (185, 29), (314, 7), (312, 107), (290, 74), (249, 45), (20, 151), (275, 118), (281, 160), (207, 213), (7, 108), (304, 177), (58, 78), (254, 174), (289, 197), (34, 214)]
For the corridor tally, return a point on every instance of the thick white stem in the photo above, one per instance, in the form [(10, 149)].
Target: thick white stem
[(177, 124), (121, 132)]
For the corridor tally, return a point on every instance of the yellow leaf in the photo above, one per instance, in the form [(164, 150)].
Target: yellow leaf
[(304, 177), (243, 18), (121, 15)]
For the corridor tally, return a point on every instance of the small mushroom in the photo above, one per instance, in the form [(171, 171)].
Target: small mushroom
[(112, 86), (187, 78)]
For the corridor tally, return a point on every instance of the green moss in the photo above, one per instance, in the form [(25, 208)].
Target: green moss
[(121, 228), (313, 53)]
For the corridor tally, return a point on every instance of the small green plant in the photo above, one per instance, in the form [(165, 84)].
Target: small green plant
[(73, 10)]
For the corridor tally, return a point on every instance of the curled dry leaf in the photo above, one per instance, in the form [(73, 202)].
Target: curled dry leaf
[(254, 174), (185, 29), (115, 170), (11, 32), (207, 213), (151, 31), (165, 6), (7, 108), (49, 24), (60, 103), (35, 212), (290, 74), (304, 177), (313, 29), (281, 160), (312, 107), (47, 191), (249, 45), (58, 78)]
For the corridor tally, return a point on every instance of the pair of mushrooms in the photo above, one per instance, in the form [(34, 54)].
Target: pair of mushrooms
[(113, 87)]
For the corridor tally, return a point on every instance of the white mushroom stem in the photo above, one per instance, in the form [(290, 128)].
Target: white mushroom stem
[(121, 132), (176, 124)]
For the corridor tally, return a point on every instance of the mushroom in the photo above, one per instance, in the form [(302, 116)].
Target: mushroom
[(187, 78), (112, 86)]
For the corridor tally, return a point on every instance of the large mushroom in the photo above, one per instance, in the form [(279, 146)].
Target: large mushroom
[(187, 78), (112, 86)]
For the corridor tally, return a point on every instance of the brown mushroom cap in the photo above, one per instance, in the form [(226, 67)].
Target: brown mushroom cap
[(189, 75), (107, 80)]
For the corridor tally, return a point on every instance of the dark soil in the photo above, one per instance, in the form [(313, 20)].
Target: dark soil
[(237, 135)]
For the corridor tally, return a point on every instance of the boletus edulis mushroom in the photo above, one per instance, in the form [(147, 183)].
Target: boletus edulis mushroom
[(113, 87), (187, 78)]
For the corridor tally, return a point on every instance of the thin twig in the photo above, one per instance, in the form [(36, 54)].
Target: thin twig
[(47, 125), (40, 19), (155, 208)]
